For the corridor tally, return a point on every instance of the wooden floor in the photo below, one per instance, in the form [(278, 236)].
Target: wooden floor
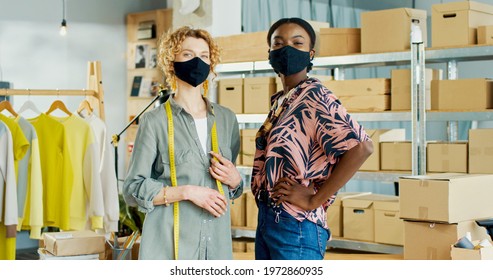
[(338, 254)]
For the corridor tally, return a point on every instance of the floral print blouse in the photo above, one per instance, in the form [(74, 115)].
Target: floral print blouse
[(305, 144)]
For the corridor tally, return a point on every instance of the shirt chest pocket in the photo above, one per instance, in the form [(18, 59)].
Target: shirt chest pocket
[(183, 162)]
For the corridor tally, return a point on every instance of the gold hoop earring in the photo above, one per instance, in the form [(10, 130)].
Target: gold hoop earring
[(206, 87)]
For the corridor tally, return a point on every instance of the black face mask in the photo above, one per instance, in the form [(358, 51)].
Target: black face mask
[(288, 60), (193, 72)]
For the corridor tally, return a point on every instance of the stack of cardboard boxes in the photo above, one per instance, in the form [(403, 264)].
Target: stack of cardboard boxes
[(441, 208)]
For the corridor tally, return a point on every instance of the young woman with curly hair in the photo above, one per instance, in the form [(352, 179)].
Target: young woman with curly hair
[(181, 172)]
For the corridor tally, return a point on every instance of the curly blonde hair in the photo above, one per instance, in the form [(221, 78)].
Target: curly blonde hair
[(170, 45)]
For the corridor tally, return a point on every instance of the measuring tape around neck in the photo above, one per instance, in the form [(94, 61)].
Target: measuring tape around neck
[(174, 182)]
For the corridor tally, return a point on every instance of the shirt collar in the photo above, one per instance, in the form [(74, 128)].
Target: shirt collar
[(177, 109)]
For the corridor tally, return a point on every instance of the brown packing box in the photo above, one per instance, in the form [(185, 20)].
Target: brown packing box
[(358, 216), (446, 157), (485, 253), (359, 87), (230, 94), (366, 103), (256, 94), (243, 47), (446, 197), (396, 156), (389, 228), (335, 212), (431, 241), (481, 151), (485, 35), (251, 210), (463, 94), (377, 136), (389, 30), (248, 146), (339, 41), (239, 246), (72, 243), (238, 217), (456, 23), (401, 88)]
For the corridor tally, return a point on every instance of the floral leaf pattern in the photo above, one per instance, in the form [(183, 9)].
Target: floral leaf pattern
[(305, 144)]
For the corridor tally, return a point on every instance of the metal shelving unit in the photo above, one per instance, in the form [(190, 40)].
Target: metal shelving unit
[(450, 56)]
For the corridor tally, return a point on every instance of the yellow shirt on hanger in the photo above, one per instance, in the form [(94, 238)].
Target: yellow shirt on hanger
[(87, 194), (56, 169)]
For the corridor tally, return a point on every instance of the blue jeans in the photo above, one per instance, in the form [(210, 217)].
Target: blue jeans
[(287, 238)]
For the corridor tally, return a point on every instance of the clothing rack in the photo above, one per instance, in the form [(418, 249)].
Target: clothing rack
[(94, 92)]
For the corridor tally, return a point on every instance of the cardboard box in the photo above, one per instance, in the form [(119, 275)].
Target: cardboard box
[(480, 151), (251, 210), (389, 228), (377, 136), (256, 94), (446, 197), (389, 30), (366, 103), (239, 246), (45, 255), (230, 94), (73, 243), (248, 146), (431, 241), (339, 41), (449, 94), (358, 216), (359, 87), (485, 253), (238, 214), (335, 212), (396, 156), (251, 46), (401, 88), (485, 35), (456, 23), (446, 157)]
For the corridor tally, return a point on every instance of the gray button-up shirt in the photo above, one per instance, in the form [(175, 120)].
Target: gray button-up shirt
[(202, 236)]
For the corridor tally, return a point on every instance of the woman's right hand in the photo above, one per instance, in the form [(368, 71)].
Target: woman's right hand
[(209, 199)]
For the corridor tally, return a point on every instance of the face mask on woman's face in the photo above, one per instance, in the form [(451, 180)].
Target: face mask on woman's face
[(193, 72), (288, 60)]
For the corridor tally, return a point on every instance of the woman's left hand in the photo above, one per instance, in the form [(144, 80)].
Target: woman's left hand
[(288, 190), (224, 170)]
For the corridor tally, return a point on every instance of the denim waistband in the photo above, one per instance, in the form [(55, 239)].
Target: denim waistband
[(264, 197)]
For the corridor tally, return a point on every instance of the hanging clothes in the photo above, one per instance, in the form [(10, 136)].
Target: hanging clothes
[(107, 172), (86, 200), (30, 184), (56, 171), (8, 195)]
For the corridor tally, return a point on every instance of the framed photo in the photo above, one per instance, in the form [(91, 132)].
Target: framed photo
[(152, 58), (141, 55)]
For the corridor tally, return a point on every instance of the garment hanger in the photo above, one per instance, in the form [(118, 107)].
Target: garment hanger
[(29, 105), (85, 105), (6, 105), (58, 104)]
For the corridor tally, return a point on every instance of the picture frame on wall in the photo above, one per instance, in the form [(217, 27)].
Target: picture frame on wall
[(141, 55)]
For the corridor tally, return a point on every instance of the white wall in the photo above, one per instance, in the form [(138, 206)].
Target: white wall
[(34, 55)]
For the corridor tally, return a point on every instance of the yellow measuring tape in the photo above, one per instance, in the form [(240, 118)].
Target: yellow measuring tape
[(174, 182)]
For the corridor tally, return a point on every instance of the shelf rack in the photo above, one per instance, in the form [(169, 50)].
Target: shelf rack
[(450, 56)]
